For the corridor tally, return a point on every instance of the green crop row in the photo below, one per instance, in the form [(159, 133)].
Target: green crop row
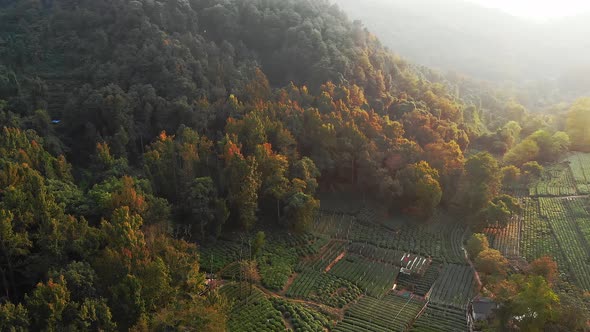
[(443, 244), (557, 180), (578, 209), (580, 166), (323, 288), (506, 239), (251, 310), (420, 285), (324, 257), (275, 264), (454, 287), (537, 237), (392, 313), (439, 318), (215, 257), (571, 241), (374, 278), (301, 317)]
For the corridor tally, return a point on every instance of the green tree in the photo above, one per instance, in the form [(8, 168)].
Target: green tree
[(155, 280), (47, 304), (222, 214), (535, 304), (510, 176), (301, 210), (481, 181), (127, 303), (247, 196), (192, 314), (243, 181), (510, 133), (258, 243), (273, 171), (525, 151), (476, 244), (500, 210), (578, 122), (532, 169), (202, 199), (421, 187), (125, 236), (94, 315), (306, 171), (14, 317), (491, 263), (80, 278), (15, 246)]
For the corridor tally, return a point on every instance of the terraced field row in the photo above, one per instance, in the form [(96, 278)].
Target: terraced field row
[(323, 288), (571, 241), (302, 317), (454, 287), (217, 256), (537, 237), (373, 278), (579, 212), (251, 311), (556, 181), (390, 256), (443, 244), (439, 318), (305, 244), (506, 239), (580, 166), (420, 285), (324, 257), (392, 313)]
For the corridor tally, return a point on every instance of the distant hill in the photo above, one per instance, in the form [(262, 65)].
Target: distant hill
[(485, 43)]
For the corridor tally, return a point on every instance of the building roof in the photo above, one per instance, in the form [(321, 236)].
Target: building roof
[(483, 306)]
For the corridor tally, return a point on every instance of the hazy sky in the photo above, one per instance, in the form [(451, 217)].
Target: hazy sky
[(538, 9)]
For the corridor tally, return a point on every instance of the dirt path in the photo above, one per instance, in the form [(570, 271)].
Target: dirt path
[(289, 283), (479, 283), (570, 197), (288, 324), (336, 260)]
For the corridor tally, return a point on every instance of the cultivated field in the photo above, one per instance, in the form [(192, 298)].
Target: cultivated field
[(455, 286), (341, 275), (440, 318), (392, 313), (580, 166), (348, 265), (506, 239), (555, 221)]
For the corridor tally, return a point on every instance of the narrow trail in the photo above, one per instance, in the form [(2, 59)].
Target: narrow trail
[(336, 260), (570, 197), (289, 283)]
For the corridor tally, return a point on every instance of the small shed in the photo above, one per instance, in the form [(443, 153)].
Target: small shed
[(483, 308)]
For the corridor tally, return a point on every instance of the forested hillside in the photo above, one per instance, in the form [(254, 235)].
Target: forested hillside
[(136, 134)]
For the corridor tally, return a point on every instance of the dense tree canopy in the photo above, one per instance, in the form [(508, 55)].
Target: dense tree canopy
[(131, 131)]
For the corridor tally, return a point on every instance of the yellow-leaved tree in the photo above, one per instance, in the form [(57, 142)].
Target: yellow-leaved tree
[(578, 122)]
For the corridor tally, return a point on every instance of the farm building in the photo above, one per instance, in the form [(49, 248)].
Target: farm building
[(482, 308), (414, 264)]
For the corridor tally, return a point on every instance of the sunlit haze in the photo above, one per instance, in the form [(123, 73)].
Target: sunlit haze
[(538, 9)]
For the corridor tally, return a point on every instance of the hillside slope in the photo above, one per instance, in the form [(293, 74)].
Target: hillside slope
[(484, 43)]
